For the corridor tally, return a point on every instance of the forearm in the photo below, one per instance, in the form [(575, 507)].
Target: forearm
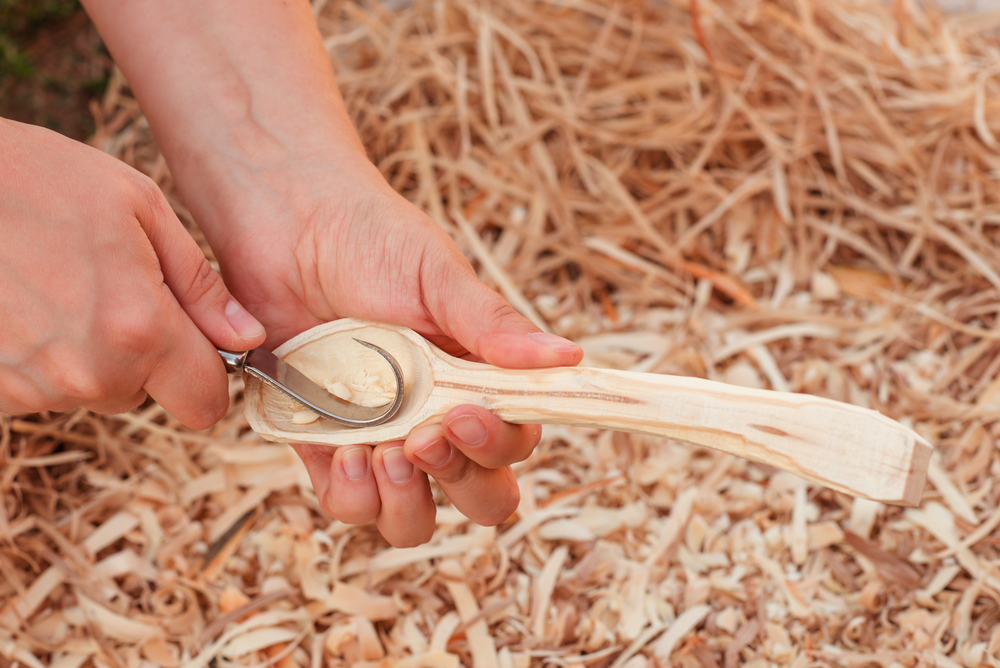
[(233, 89)]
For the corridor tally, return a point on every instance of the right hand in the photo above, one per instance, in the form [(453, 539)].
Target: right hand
[(104, 295)]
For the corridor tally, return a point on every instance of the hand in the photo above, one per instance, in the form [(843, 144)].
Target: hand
[(341, 243), (249, 118), (104, 295)]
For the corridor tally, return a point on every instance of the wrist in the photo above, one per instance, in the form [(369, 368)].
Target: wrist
[(254, 147), (258, 169), (234, 104)]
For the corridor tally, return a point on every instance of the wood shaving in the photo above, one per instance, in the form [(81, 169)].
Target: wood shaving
[(794, 195)]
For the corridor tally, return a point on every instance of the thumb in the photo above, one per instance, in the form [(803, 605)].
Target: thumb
[(198, 288), (488, 327)]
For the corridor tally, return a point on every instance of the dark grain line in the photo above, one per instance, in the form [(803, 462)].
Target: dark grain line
[(614, 398), (770, 430)]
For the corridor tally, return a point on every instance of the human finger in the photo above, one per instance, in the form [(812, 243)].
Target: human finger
[(489, 328), (195, 284), (485, 496), (187, 377), (343, 480), (406, 518), (486, 439)]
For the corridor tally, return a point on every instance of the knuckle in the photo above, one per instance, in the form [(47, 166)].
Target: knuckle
[(145, 193), (458, 473), (84, 386), (203, 283), (76, 379), (133, 329), (497, 312)]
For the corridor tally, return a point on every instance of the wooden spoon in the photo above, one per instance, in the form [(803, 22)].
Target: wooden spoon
[(842, 446)]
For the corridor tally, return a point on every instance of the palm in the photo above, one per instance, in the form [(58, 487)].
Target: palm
[(386, 263)]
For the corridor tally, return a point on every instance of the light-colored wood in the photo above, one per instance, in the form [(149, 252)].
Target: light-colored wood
[(841, 446)]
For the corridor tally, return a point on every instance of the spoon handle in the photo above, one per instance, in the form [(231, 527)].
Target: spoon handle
[(851, 449)]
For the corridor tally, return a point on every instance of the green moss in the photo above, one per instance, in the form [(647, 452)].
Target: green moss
[(97, 86), (13, 61), (19, 19), (45, 76)]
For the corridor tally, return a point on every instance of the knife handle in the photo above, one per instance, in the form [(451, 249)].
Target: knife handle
[(234, 361)]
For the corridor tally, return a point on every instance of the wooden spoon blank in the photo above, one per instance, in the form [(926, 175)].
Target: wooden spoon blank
[(842, 446)]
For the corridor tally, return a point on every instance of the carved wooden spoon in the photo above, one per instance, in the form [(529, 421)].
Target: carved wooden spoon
[(842, 446)]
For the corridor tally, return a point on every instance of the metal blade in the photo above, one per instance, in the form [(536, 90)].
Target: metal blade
[(290, 381)]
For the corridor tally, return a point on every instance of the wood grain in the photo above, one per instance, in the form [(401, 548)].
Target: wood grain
[(842, 446)]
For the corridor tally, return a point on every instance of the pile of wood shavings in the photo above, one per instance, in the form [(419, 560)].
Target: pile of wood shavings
[(797, 195)]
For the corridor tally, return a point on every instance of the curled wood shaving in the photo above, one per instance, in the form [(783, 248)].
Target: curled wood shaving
[(795, 195)]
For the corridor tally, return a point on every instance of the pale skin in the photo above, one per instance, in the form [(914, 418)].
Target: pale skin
[(243, 102)]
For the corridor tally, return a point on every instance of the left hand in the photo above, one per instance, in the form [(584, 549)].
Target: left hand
[(327, 242)]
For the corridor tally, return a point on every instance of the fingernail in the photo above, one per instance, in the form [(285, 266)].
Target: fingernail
[(355, 462), (437, 453), (397, 466), (469, 429), (556, 343), (242, 322)]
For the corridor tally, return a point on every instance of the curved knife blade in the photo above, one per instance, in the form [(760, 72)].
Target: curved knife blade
[(293, 383)]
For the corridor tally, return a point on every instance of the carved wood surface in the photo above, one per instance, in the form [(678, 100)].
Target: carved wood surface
[(845, 447)]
